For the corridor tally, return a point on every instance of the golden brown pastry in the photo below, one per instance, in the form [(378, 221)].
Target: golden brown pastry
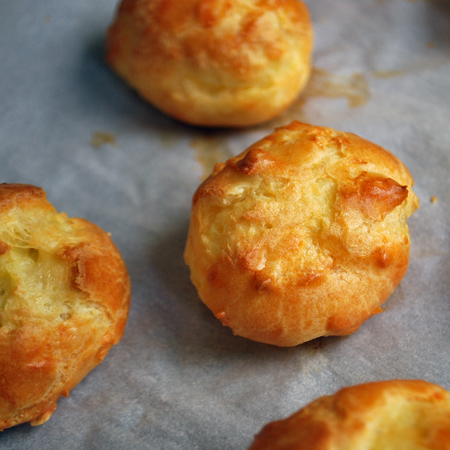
[(213, 62), (385, 415), (64, 300), (302, 235)]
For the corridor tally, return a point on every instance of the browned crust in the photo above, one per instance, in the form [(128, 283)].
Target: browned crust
[(186, 59), (375, 196), (14, 194), (42, 360), (295, 264), (356, 416), (100, 272)]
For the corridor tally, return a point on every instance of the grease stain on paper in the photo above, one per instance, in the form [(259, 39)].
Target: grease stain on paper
[(209, 151), (100, 138), (315, 360), (387, 73), (355, 88), (168, 137)]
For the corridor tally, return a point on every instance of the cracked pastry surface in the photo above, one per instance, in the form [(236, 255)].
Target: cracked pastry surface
[(393, 414), (213, 62), (64, 300), (302, 235)]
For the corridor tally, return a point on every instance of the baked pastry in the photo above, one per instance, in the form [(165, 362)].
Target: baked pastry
[(394, 414), (302, 235), (226, 63), (64, 300)]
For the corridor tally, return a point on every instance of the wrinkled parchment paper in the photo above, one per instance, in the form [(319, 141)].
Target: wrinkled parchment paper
[(179, 379)]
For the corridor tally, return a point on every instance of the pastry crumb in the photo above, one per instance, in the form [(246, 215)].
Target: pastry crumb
[(433, 199)]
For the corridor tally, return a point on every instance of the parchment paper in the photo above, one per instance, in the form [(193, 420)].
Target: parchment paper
[(179, 379)]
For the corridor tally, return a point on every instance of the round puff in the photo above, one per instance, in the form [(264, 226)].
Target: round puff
[(302, 235), (223, 63), (394, 414), (64, 300)]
